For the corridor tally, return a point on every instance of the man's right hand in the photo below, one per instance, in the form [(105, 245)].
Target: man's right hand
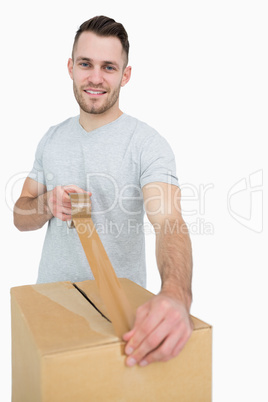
[(36, 205), (59, 202)]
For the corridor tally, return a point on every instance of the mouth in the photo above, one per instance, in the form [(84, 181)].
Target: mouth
[(93, 92)]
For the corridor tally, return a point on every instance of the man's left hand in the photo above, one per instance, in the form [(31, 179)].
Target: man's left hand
[(161, 330)]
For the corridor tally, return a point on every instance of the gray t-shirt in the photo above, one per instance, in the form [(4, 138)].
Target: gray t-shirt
[(113, 162)]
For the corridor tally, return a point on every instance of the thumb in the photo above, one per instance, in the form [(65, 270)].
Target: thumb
[(75, 189), (126, 337)]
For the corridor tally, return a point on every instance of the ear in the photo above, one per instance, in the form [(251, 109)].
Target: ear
[(70, 68), (126, 76)]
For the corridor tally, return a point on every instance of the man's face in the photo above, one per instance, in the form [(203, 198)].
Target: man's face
[(98, 72)]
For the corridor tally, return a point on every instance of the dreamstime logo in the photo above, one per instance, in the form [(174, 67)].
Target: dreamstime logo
[(245, 201)]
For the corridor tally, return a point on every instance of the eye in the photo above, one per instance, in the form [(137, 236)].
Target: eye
[(109, 68), (84, 64)]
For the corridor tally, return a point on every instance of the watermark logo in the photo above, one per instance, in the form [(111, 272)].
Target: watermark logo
[(245, 201), (127, 200), (194, 205)]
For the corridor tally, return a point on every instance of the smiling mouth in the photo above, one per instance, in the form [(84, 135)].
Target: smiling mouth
[(96, 93)]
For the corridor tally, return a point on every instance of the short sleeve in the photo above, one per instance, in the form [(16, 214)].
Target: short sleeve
[(37, 172), (157, 161)]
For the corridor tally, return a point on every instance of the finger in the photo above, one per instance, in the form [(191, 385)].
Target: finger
[(63, 217), (151, 342), (162, 353), (61, 207), (128, 335), (170, 347), (148, 317), (141, 314), (145, 323), (66, 210), (72, 188)]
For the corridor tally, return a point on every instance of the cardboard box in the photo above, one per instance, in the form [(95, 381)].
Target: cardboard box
[(64, 350)]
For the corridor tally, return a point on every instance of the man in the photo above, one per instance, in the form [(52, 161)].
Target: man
[(126, 166)]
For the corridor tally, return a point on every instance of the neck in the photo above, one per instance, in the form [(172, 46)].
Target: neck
[(91, 122)]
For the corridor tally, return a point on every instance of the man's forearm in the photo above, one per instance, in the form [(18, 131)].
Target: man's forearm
[(31, 213), (174, 259), (163, 324)]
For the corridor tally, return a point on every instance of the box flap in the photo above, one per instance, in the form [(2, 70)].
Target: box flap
[(136, 294), (60, 318), (63, 349)]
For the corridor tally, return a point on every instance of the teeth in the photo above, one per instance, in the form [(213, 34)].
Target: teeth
[(95, 92)]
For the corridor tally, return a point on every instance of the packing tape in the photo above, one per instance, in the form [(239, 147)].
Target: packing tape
[(113, 296)]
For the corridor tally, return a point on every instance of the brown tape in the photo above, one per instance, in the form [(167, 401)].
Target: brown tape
[(111, 291)]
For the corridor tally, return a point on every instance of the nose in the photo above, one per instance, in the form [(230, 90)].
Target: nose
[(95, 76)]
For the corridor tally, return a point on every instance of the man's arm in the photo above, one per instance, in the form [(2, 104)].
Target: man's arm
[(36, 206), (163, 326)]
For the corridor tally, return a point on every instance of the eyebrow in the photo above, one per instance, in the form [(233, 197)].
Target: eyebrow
[(106, 62)]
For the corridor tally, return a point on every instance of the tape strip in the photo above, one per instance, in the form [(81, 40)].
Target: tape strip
[(111, 291)]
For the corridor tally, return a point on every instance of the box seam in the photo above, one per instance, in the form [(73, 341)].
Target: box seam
[(89, 301)]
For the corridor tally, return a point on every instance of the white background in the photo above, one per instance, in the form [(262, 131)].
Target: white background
[(200, 78)]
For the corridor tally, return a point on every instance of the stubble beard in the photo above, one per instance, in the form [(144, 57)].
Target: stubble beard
[(91, 105)]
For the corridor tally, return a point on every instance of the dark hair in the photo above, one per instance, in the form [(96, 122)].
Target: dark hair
[(104, 26)]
